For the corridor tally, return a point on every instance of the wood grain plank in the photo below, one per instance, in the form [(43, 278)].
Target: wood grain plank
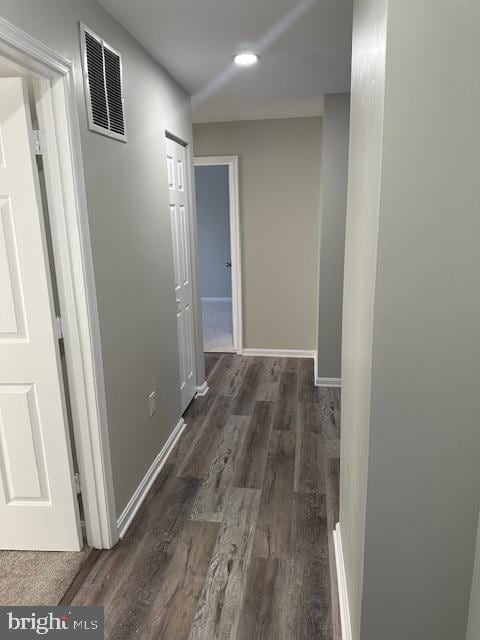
[(309, 530), (184, 444), (247, 393), (233, 375), (310, 416), (286, 599), (218, 611), (211, 361), (269, 604), (198, 459), (330, 416), (173, 607), (222, 369), (309, 463), (211, 498), (332, 490), (273, 536), (126, 586), (311, 552), (274, 475), (201, 406), (307, 391), (314, 617), (253, 459), (292, 364), (97, 588), (286, 408), (268, 388)]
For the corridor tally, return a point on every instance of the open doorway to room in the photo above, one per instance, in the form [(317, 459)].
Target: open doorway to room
[(216, 180), (39, 505), (48, 508)]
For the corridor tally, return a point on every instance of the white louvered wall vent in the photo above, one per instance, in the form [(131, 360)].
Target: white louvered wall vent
[(102, 68)]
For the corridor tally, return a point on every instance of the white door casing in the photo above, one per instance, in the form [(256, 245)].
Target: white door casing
[(179, 217), (235, 245), (38, 504)]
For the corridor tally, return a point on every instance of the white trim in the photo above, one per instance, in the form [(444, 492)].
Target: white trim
[(235, 241), (193, 234), (342, 585), (216, 299), (279, 353), (74, 266), (328, 382), (122, 137), (24, 50), (135, 502), (203, 390), (324, 382)]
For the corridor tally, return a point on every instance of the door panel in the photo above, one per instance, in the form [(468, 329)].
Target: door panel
[(38, 503), (177, 185)]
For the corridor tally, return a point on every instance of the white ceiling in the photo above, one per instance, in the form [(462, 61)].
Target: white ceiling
[(304, 45)]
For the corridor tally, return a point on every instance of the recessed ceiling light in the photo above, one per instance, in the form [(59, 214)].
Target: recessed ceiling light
[(246, 59)]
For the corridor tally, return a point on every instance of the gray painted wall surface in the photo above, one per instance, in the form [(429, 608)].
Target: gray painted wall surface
[(333, 211), (366, 122), (473, 631), (422, 434), (130, 233), (279, 166), (213, 221)]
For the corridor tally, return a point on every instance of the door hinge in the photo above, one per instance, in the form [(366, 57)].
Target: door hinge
[(78, 484), (60, 333), (39, 142)]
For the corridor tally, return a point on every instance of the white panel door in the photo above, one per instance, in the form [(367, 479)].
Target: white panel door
[(38, 503), (177, 186)]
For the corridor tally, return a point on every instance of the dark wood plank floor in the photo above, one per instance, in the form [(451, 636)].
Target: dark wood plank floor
[(234, 539)]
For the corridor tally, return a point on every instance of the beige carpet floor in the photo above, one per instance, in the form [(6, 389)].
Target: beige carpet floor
[(37, 577), (217, 326)]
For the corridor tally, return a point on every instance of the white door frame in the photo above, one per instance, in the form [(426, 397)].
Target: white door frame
[(74, 270), (235, 242)]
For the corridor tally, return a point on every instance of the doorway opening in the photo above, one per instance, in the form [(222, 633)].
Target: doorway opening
[(56, 489), (38, 460), (216, 183)]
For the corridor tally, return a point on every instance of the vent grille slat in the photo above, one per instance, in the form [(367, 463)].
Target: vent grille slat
[(98, 100), (104, 86), (113, 75)]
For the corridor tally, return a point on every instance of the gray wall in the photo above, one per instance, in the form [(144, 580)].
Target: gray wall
[(473, 632), (279, 216), (213, 222), (333, 211), (130, 233), (366, 122), (416, 418)]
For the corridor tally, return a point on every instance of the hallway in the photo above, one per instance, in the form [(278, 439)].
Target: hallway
[(232, 541)]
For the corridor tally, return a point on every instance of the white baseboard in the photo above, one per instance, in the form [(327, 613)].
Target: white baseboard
[(216, 299), (279, 353), (203, 390), (324, 382), (342, 585), (143, 488), (328, 382)]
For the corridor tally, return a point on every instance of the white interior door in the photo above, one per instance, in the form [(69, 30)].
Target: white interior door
[(38, 503), (178, 190)]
